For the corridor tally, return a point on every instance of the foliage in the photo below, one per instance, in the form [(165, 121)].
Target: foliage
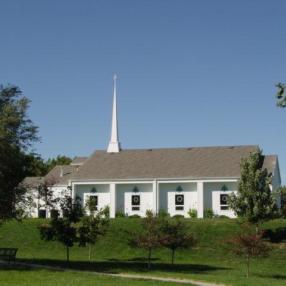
[(149, 238), (63, 229), (254, 201), (71, 208), (16, 128), (282, 193), (193, 213), (89, 228), (177, 216), (120, 214), (249, 244), (163, 213), (59, 160), (281, 95), (208, 213), (45, 194), (17, 134), (174, 235), (134, 216)]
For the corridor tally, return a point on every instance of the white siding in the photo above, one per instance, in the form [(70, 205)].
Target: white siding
[(102, 192), (212, 192), (167, 192), (124, 193)]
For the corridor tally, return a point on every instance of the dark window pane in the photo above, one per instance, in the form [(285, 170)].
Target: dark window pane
[(179, 208), (224, 208), (135, 200), (136, 208), (179, 200), (223, 199), (94, 200), (54, 214), (42, 214)]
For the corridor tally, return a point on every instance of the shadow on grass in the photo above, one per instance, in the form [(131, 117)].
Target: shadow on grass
[(274, 276), (132, 265), (275, 236)]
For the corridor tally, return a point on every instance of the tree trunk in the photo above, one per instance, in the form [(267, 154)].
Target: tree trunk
[(89, 252), (248, 262), (256, 229), (68, 254), (173, 256), (149, 257)]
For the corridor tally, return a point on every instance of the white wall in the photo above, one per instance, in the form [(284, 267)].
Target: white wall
[(102, 192), (212, 192), (124, 193), (167, 192)]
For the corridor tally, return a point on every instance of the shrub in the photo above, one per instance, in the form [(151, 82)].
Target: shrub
[(119, 214), (208, 213), (193, 213), (54, 213), (149, 237), (223, 216), (163, 213), (178, 216), (174, 235), (248, 244), (134, 216)]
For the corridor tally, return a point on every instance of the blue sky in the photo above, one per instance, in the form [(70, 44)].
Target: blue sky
[(190, 73)]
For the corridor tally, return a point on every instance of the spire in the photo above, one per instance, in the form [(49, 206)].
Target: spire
[(114, 144)]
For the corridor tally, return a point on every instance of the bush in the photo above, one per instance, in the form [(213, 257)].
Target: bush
[(283, 211), (178, 216), (119, 214), (223, 216), (208, 213), (134, 216), (54, 214), (193, 213), (163, 214)]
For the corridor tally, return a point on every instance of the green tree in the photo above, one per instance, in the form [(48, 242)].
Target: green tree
[(282, 193), (248, 244), (59, 160), (89, 228), (63, 229), (174, 235), (149, 237), (17, 135), (254, 201), (281, 94)]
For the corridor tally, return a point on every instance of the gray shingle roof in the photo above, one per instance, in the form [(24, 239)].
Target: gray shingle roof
[(60, 174), (32, 182), (78, 160), (197, 162)]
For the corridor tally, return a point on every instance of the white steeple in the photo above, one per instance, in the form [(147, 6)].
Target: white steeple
[(114, 144)]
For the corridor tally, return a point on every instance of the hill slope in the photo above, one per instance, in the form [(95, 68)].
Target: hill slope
[(209, 261)]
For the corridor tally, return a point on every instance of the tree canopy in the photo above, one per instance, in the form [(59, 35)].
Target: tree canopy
[(254, 201), (17, 135), (281, 94)]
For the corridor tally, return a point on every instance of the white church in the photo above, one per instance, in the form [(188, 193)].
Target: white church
[(132, 181)]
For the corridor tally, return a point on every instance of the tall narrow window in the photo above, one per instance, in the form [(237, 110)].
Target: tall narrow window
[(179, 202), (224, 202), (93, 200), (135, 202)]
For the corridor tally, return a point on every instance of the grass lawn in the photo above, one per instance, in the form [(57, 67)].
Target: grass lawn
[(28, 277), (209, 261)]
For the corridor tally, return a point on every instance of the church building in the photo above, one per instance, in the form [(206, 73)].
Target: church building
[(132, 181)]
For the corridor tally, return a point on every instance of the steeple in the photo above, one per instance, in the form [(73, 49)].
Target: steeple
[(114, 144)]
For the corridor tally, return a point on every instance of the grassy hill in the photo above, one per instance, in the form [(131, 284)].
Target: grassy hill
[(209, 261)]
